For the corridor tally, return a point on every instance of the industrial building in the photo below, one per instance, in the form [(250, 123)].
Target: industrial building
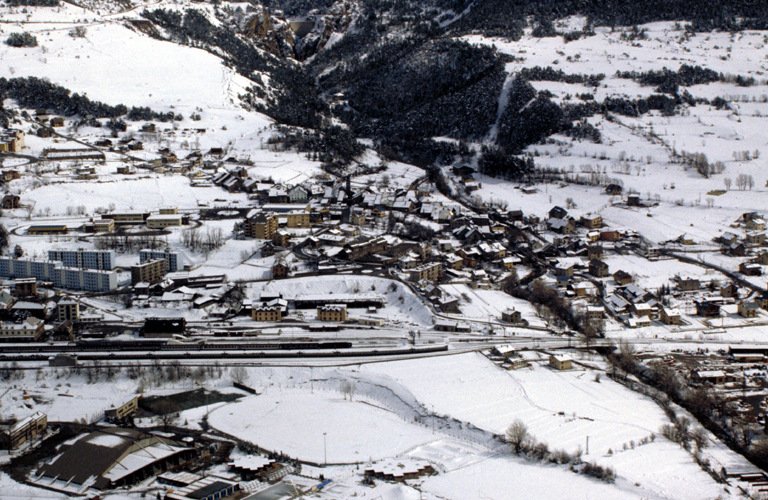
[(109, 458)]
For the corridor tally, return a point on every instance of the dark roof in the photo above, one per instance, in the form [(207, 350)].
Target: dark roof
[(165, 325), (209, 490), (84, 459)]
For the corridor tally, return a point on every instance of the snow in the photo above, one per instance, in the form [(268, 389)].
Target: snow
[(297, 422)]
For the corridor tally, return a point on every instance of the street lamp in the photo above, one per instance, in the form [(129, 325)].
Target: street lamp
[(325, 449)]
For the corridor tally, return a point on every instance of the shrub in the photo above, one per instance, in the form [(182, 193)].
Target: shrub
[(22, 40)]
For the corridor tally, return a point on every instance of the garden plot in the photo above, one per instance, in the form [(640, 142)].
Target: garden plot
[(296, 423)]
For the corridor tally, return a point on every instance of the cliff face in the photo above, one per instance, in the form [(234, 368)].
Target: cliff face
[(335, 21), (269, 30)]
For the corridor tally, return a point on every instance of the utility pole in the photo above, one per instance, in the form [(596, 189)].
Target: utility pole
[(587, 445), (325, 450)]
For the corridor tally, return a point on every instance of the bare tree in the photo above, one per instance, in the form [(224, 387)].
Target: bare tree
[(727, 181), (348, 389), (518, 436), (239, 374)]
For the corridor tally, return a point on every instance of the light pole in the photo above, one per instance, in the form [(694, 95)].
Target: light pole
[(325, 449)]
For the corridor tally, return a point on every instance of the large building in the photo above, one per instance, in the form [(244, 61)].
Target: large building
[(90, 280), (171, 258), (68, 309), (151, 271), (428, 272), (17, 433), (163, 221), (266, 313), (30, 330), (332, 312), (110, 458), (261, 226), (84, 259)]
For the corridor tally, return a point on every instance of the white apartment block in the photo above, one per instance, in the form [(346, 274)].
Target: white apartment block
[(84, 259)]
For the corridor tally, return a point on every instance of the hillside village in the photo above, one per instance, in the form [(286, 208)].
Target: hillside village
[(268, 277)]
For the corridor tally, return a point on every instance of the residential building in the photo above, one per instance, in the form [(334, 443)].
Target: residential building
[(669, 316), (598, 268), (591, 221), (332, 312), (30, 330), (687, 283), (11, 201), (25, 287), (261, 226), (560, 362), (298, 218), (68, 309), (511, 316), (427, 272), (84, 259), (172, 259), (91, 280), (151, 271), (748, 309), (271, 313)]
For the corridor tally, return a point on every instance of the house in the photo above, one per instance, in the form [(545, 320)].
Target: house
[(10, 201), (558, 213), (266, 313), (598, 268), (707, 308), (622, 277), (57, 121), (565, 270), (669, 316), (595, 252), (30, 330), (298, 195), (750, 269), (762, 258), (595, 313), (332, 312), (511, 316), (729, 290), (633, 200), (560, 362), (755, 223), (562, 226), (687, 283), (748, 309), (279, 270), (591, 221), (150, 272), (736, 249)]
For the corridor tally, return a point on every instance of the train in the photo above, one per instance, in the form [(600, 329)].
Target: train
[(166, 345)]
